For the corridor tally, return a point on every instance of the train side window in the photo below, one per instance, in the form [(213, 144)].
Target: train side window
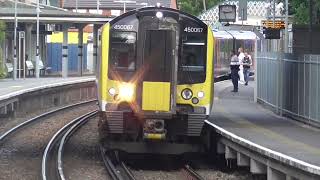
[(192, 57), (123, 51)]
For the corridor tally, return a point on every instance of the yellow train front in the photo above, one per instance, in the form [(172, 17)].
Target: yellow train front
[(155, 81)]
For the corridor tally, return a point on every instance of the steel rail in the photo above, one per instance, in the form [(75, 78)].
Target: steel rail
[(193, 173), (127, 170), (12, 130), (63, 141), (113, 172), (56, 136)]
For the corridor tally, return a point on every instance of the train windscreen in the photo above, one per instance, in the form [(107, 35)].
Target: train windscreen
[(157, 55), (192, 63), (123, 51)]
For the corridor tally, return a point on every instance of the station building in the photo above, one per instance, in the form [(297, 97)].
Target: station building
[(68, 34)]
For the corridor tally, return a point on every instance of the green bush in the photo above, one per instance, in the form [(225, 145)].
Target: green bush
[(3, 73)]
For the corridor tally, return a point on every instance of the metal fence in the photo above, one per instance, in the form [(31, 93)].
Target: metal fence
[(290, 84)]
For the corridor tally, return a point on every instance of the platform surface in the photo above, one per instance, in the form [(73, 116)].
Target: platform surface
[(10, 88), (238, 114)]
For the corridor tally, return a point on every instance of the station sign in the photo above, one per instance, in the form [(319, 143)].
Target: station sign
[(278, 24), (271, 33)]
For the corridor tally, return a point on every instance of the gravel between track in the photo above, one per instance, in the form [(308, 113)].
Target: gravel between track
[(7, 123), (21, 153), (82, 158), (208, 174), (167, 168)]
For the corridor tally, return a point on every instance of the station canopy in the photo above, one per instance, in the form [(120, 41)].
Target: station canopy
[(26, 12), (240, 35), (114, 4)]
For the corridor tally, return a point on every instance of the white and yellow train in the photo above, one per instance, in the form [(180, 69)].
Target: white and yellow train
[(155, 81)]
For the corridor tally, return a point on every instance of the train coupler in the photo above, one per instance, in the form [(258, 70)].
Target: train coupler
[(153, 129)]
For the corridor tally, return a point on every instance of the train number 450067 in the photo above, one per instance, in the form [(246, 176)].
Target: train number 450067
[(193, 30)]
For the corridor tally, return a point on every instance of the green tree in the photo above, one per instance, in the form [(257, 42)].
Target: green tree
[(195, 7), (300, 10), (2, 37)]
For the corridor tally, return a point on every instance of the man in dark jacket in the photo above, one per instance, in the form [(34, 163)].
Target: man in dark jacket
[(234, 66)]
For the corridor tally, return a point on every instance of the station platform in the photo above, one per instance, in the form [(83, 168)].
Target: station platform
[(273, 136), (11, 88)]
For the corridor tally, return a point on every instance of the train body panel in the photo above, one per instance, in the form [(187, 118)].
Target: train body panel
[(155, 81)]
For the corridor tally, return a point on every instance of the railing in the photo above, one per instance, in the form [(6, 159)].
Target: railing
[(290, 85)]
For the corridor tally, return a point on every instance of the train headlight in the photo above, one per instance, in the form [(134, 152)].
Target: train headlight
[(126, 92), (200, 94), (159, 14), (186, 94), (112, 91)]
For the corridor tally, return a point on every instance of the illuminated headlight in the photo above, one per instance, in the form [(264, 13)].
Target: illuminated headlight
[(112, 91), (186, 94), (200, 94), (159, 14), (126, 92)]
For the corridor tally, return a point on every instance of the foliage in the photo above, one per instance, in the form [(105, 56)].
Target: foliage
[(300, 10), (2, 37), (195, 7)]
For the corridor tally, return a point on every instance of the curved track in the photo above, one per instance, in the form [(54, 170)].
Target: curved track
[(50, 168), (21, 147), (27, 122)]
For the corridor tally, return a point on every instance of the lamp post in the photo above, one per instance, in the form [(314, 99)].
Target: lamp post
[(15, 42), (286, 44), (310, 24), (76, 5), (204, 5), (98, 6), (124, 4), (37, 48)]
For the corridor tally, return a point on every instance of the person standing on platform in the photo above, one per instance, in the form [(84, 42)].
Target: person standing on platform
[(234, 66), (240, 57), (246, 62)]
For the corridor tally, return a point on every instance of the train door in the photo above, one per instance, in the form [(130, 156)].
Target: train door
[(159, 75)]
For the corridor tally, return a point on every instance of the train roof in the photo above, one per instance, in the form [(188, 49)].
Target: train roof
[(155, 8), (243, 35)]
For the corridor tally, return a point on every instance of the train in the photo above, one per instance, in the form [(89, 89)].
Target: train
[(227, 41), (155, 81)]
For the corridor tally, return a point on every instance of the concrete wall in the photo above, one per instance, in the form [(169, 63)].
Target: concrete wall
[(44, 99)]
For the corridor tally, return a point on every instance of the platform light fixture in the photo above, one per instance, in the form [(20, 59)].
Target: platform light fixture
[(144, 4), (124, 3)]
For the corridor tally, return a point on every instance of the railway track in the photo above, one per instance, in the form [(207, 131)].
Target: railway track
[(52, 162), (191, 174), (118, 170), (39, 117), (21, 147)]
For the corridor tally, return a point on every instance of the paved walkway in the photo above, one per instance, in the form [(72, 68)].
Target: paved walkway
[(238, 114), (10, 88)]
